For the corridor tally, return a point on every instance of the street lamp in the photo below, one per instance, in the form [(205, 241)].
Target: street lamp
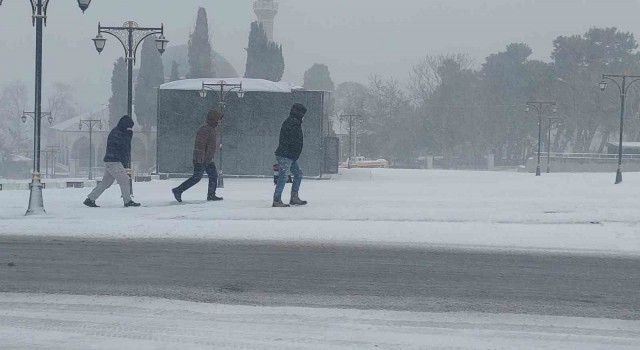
[(541, 108), (220, 87), (33, 116), (551, 122), (350, 118), (130, 35), (90, 123), (39, 20), (623, 87)]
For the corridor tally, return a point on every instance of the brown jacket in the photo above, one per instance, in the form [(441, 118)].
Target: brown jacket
[(206, 146)]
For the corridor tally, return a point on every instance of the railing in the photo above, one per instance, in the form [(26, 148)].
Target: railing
[(588, 155)]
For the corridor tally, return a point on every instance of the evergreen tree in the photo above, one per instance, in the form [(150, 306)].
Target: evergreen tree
[(318, 77), (150, 77), (264, 58), (200, 52), (118, 100), (175, 71)]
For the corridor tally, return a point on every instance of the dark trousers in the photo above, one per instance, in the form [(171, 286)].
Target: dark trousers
[(198, 172)]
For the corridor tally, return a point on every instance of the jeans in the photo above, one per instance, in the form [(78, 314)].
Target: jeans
[(198, 172), (113, 172), (287, 165)]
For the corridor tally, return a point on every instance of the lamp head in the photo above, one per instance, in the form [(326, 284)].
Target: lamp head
[(241, 93), (24, 117), (83, 4), (203, 93), (603, 85), (50, 119), (99, 42), (161, 44), (528, 109)]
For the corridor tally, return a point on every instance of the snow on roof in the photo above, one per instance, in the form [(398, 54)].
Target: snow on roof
[(625, 144), (101, 114), (248, 85)]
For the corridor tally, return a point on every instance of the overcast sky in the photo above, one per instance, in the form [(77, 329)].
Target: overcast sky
[(355, 38)]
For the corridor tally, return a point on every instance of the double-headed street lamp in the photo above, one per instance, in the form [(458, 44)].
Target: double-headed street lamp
[(130, 35), (90, 124), (350, 118), (541, 108), (222, 88), (33, 116), (552, 121), (623, 87), (39, 20)]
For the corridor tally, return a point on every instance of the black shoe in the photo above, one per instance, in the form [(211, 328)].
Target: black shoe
[(91, 204), (177, 194), (214, 198), (131, 204)]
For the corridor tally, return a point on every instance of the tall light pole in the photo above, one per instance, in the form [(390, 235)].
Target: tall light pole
[(90, 124), (541, 108), (130, 35), (39, 20), (551, 122), (350, 118), (623, 87), (222, 88)]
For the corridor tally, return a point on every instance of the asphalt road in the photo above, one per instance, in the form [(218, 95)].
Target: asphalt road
[(272, 274)]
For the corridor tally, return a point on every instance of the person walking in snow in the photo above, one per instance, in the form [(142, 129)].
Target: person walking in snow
[(287, 154), (203, 153), (116, 164)]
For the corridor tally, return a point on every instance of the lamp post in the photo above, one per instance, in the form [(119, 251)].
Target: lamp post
[(623, 87), (39, 20), (551, 122), (90, 124), (541, 108), (33, 116), (350, 118), (130, 35), (220, 87)]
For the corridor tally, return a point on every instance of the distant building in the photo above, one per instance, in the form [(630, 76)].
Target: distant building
[(266, 10)]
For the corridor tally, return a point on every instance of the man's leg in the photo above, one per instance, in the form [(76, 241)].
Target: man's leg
[(285, 165), (212, 172), (118, 172), (297, 181), (107, 181), (198, 171)]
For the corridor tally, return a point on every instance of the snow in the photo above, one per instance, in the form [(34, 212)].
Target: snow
[(248, 85), (578, 213), (34, 321)]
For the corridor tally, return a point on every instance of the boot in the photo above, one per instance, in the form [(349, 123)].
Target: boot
[(177, 194), (214, 198), (131, 204), (277, 203), (91, 204), (295, 199)]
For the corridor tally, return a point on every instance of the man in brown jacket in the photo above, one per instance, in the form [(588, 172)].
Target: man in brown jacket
[(203, 153)]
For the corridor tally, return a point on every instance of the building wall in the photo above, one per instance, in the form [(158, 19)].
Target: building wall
[(250, 131)]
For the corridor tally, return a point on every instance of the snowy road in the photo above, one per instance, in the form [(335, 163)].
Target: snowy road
[(324, 275)]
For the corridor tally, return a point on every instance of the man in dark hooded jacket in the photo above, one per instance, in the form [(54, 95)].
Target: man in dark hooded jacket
[(116, 164), (287, 154), (203, 153)]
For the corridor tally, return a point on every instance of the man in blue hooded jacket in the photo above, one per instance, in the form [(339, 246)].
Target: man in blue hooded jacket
[(116, 163), (287, 154)]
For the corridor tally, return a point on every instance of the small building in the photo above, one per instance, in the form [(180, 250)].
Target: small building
[(627, 147), (250, 130)]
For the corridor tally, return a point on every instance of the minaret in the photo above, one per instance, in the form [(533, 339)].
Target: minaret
[(266, 11)]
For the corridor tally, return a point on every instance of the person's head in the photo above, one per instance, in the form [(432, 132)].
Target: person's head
[(214, 117), (298, 111), (125, 123)]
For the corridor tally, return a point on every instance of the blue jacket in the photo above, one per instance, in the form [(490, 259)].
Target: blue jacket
[(119, 142)]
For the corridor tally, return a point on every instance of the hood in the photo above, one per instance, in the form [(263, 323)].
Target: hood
[(125, 123), (298, 111), (214, 117)]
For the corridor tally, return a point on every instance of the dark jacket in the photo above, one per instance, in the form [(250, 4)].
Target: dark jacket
[(206, 143), (291, 137), (119, 142)]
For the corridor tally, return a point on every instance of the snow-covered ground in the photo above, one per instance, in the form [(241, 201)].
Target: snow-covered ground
[(476, 210), (85, 322)]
